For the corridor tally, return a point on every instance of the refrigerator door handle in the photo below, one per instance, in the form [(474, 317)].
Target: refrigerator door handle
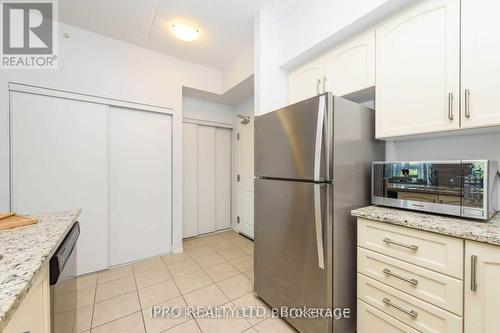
[(319, 137), (318, 219)]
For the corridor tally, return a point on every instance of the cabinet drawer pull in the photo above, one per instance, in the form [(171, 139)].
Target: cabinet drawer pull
[(410, 313), (450, 106), (402, 278), (473, 276), (317, 86), (390, 241), (467, 103), (324, 84)]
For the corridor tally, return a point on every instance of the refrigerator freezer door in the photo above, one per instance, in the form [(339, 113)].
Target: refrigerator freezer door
[(293, 142), (287, 264)]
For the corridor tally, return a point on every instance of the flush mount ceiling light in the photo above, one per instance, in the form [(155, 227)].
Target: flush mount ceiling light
[(185, 32)]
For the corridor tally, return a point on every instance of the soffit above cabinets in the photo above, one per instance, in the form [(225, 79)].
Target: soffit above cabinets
[(235, 95)]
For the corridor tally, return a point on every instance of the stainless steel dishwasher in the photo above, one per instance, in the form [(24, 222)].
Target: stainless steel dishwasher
[(63, 289)]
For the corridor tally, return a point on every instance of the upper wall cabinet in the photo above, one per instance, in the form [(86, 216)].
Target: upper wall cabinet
[(346, 69), (417, 70), (480, 63), (305, 81), (351, 67)]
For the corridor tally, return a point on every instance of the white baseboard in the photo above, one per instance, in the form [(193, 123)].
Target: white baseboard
[(177, 249)]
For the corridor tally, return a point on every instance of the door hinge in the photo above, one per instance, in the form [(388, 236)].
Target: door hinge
[(238, 178), (238, 136), (237, 219)]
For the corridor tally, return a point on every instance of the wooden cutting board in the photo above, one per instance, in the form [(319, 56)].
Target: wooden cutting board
[(11, 220)]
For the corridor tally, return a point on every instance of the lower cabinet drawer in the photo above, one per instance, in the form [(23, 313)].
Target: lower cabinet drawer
[(412, 311), (371, 320), (438, 289), (439, 253)]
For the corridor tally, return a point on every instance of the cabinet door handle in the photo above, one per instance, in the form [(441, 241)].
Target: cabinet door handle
[(390, 241), (402, 278), (317, 86), (473, 275), (324, 84), (467, 103), (410, 313), (450, 106)]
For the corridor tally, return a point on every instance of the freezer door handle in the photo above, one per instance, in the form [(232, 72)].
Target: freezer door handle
[(318, 219), (319, 137)]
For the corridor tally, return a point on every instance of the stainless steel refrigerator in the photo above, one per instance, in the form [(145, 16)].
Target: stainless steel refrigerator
[(312, 166)]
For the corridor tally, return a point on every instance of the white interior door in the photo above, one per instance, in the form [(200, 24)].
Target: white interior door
[(190, 180), (59, 162), (206, 179), (246, 183), (222, 178), (140, 184)]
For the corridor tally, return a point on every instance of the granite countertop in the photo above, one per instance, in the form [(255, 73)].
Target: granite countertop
[(25, 250), (485, 231)]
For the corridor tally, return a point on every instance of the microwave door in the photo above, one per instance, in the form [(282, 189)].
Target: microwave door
[(291, 143), (422, 186)]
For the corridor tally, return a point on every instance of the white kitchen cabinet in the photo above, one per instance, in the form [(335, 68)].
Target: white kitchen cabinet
[(59, 162), (351, 66), (480, 63), (33, 314), (412, 311), (372, 320), (206, 179), (348, 68), (432, 251), (413, 278), (140, 178), (306, 81), (417, 70), (482, 288)]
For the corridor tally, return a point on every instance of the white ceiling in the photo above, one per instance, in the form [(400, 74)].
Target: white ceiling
[(226, 26)]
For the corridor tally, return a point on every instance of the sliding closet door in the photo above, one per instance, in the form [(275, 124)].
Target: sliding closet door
[(59, 162), (190, 180), (222, 178), (207, 179), (140, 184)]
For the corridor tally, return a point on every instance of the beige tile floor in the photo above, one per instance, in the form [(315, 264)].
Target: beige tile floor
[(214, 270)]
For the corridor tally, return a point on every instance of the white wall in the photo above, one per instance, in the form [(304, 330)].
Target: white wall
[(93, 64), (462, 146), (312, 22), (287, 36), (245, 107), (239, 69), (193, 108), (271, 82)]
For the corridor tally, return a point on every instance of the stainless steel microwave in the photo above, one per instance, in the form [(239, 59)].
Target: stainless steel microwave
[(461, 188)]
